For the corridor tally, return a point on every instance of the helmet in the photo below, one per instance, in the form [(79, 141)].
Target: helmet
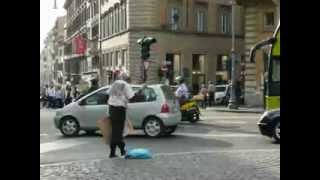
[(179, 79)]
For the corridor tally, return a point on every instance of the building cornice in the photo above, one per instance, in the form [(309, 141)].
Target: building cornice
[(205, 34)]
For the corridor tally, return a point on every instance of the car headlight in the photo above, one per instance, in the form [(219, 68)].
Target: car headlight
[(263, 116)]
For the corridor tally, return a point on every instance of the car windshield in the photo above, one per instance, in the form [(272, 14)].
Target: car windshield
[(220, 89), (167, 92)]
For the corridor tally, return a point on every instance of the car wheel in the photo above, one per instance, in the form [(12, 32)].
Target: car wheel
[(69, 127), (170, 130), (153, 127), (276, 132)]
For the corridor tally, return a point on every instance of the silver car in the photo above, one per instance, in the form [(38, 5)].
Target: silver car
[(155, 112)]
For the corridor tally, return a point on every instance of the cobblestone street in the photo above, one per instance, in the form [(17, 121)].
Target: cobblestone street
[(245, 165)]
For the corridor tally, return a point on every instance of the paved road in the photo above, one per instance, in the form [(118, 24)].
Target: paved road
[(221, 146)]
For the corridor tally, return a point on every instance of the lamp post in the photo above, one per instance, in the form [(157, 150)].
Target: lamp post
[(100, 45), (55, 4), (233, 102)]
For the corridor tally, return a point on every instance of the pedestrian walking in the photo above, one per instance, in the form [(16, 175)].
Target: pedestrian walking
[(94, 85), (51, 96), (211, 91), (44, 96), (68, 99), (75, 92), (119, 95), (59, 98), (204, 93)]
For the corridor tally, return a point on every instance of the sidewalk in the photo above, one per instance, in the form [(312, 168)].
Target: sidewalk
[(221, 165), (239, 110)]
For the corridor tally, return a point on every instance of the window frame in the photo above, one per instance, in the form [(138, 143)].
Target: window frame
[(200, 21), (174, 26), (266, 26), (94, 94), (135, 89)]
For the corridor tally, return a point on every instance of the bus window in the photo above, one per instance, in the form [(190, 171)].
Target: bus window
[(276, 70)]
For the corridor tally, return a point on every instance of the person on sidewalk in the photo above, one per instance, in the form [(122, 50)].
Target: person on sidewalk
[(204, 93), (119, 95), (68, 99), (51, 95), (59, 99), (211, 91)]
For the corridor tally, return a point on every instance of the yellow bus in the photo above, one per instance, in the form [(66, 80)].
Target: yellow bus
[(272, 78)]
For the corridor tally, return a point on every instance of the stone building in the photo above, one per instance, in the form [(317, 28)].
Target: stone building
[(81, 40), (261, 19), (47, 59), (58, 30), (192, 36)]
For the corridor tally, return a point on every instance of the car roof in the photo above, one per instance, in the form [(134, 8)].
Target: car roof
[(135, 85), (222, 85)]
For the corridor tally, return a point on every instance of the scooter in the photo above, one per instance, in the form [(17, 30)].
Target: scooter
[(190, 111)]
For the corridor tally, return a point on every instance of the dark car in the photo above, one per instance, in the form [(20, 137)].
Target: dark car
[(269, 124)]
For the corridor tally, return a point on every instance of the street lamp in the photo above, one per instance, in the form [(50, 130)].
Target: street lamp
[(233, 101), (55, 4)]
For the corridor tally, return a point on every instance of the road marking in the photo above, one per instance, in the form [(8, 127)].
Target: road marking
[(228, 117), (217, 135), (58, 145), (231, 122), (171, 154), (43, 134)]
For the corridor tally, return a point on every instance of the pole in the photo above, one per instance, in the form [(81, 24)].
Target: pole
[(233, 102), (100, 47), (55, 4)]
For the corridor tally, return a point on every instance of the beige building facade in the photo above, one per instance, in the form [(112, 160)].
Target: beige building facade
[(261, 19), (191, 36)]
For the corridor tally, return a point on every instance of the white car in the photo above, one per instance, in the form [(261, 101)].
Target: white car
[(220, 94), (156, 113)]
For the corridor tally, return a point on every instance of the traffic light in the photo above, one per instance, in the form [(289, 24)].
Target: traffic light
[(145, 44)]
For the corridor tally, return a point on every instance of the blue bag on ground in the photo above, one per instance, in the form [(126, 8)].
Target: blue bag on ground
[(139, 154)]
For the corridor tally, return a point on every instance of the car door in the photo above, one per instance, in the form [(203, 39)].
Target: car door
[(145, 106), (94, 107)]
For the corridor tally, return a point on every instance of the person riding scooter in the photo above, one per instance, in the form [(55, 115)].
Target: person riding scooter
[(182, 92), (189, 108)]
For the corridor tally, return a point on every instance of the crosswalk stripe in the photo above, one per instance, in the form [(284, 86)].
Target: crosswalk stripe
[(229, 117), (217, 135)]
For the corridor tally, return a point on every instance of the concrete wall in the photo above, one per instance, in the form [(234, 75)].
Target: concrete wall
[(143, 13)]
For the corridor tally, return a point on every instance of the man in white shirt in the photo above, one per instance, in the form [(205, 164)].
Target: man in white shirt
[(119, 95), (51, 96), (182, 92), (59, 98)]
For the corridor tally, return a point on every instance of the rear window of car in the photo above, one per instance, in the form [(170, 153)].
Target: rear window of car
[(168, 93)]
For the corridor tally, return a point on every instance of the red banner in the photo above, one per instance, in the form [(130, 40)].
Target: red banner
[(80, 44)]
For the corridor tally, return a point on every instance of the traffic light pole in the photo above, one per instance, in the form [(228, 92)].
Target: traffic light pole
[(145, 44)]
